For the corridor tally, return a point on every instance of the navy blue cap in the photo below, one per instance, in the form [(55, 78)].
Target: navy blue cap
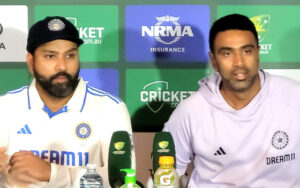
[(49, 29)]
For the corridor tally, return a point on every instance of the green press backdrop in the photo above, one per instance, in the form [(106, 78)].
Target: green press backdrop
[(151, 54)]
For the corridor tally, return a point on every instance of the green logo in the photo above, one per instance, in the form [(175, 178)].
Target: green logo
[(261, 23), (98, 27), (163, 144), (156, 93), (119, 145), (90, 35), (278, 30)]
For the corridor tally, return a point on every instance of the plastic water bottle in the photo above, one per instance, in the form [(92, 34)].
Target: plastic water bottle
[(91, 179), (166, 175)]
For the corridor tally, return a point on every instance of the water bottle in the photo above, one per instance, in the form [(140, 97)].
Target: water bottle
[(166, 175), (91, 179)]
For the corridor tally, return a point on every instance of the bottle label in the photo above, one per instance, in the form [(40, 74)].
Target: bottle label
[(90, 186), (163, 186), (165, 179)]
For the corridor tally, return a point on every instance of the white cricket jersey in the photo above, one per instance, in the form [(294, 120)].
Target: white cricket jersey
[(77, 134), (257, 146)]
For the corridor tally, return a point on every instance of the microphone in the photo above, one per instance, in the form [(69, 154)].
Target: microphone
[(163, 145), (119, 157)]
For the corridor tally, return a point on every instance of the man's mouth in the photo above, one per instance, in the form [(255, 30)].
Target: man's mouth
[(240, 74)]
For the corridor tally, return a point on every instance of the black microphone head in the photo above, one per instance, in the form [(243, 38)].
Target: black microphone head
[(163, 145), (119, 157)]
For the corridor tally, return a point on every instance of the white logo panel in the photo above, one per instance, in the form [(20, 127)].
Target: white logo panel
[(13, 33), (290, 73)]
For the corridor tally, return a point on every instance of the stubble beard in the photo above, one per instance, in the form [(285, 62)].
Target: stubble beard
[(241, 85)]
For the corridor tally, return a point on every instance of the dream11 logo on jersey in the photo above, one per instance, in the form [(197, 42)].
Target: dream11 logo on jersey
[(90, 35), (157, 93), (262, 23), (167, 31), (2, 46)]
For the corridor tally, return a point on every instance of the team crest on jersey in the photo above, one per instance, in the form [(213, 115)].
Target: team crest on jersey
[(280, 140), (83, 130)]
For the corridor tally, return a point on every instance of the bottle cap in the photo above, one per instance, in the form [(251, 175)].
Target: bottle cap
[(166, 160), (91, 166), (130, 175)]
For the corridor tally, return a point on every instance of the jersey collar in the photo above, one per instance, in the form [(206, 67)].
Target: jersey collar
[(76, 102)]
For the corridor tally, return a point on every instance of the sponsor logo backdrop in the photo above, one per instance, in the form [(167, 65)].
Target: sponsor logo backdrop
[(12, 78), (167, 33), (156, 93), (98, 27), (278, 29), (13, 33), (104, 79)]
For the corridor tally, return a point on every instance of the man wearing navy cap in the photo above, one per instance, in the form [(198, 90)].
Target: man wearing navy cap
[(53, 128)]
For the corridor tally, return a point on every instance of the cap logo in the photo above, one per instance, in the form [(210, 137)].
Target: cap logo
[(56, 25)]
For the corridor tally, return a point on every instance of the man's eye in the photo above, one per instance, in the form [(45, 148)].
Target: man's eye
[(226, 53), (49, 56), (70, 55), (248, 51)]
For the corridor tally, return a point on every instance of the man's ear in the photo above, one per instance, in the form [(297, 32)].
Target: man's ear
[(29, 61), (213, 61)]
